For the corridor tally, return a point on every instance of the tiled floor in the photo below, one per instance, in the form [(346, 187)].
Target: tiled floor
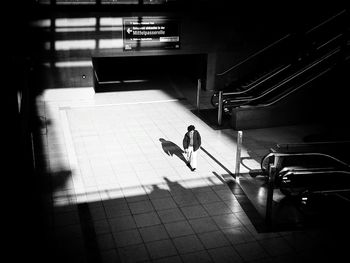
[(121, 191)]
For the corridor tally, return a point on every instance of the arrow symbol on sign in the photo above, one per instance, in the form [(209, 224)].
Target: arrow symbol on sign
[(129, 30)]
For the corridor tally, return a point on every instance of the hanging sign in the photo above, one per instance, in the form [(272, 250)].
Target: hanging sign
[(142, 33)]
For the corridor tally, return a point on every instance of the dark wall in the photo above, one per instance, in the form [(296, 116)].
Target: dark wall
[(21, 189), (225, 32)]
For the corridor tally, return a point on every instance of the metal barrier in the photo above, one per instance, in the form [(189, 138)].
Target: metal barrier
[(274, 168), (269, 198), (238, 152), (199, 87), (271, 186), (220, 107)]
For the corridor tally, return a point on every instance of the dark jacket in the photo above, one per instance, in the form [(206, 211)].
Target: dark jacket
[(196, 140)]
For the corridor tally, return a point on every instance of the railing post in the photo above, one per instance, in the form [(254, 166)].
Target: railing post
[(238, 152), (199, 87), (33, 149), (269, 199), (220, 108), (270, 190)]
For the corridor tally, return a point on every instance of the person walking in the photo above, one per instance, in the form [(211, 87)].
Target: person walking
[(191, 143)]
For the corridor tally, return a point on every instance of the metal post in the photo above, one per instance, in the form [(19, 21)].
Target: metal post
[(269, 198), (33, 150), (271, 186), (238, 152), (220, 108), (199, 86)]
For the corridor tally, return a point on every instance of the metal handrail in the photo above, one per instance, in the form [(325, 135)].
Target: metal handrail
[(277, 72), (325, 22), (319, 172), (245, 101), (291, 78), (295, 89), (310, 143), (269, 73), (329, 41), (279, 40), (276, 154), (254, 55), (288, 169), (260, 82)]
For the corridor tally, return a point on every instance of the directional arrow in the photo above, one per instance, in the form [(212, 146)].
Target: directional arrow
[(129, 30)]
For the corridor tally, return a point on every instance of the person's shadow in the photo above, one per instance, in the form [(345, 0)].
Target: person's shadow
[(157, 192), (171, 149)]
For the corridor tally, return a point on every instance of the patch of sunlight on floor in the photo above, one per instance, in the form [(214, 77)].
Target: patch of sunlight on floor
[(113, 145), (68, 94)]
